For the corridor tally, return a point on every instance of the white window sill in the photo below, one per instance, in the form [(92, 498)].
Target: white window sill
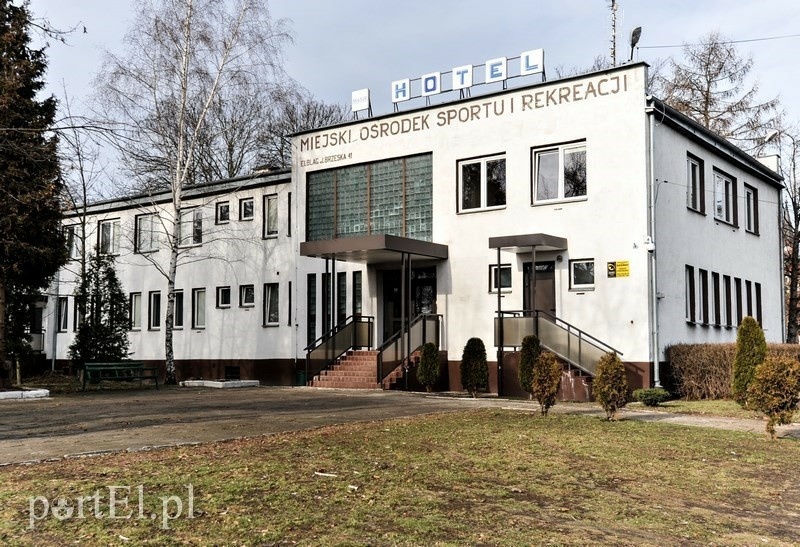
[(557, 201), (481, 209)]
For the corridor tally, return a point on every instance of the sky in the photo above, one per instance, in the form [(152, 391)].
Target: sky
[(343, 45)]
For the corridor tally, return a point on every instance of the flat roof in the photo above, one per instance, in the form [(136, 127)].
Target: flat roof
[(374, 249), (524, 242)]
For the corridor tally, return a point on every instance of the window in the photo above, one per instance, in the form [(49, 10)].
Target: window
[(270, 216), (63, 313), (223, 297), (715, 295), (154, 315), (136, 310), (503, 280), (581, 274), (691, 302), (739, 308), (289, 306), (77, 316), (311, 308), (695, 184), (758, 302), (271, 304), (748, 289), (246, 209), (725, 198), (146, 239), (74, 242), (703, 295), (191, 228), (341, 297), (327, 315), (289, 215), (726, 282), (482, 183), (223, 213), (109, 237), (356, 293), (198, 308), (247, 296), (178, 315), (751, 209), (560, 173)]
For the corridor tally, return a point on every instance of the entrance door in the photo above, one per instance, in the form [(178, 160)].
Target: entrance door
[(422, 297), (544, 296)]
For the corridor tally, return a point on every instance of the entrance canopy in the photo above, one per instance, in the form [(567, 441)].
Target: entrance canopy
[(374, 249), (524, 243)]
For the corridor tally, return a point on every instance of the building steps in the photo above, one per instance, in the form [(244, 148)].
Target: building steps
[(354, 370)]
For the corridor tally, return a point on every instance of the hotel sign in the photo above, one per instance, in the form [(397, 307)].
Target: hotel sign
[(496, 70)]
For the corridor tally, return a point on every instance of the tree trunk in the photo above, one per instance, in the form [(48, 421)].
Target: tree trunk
[(169, 320), (792, 311), (4, 370)]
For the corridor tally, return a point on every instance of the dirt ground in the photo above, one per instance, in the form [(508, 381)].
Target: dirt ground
[(100, 421)]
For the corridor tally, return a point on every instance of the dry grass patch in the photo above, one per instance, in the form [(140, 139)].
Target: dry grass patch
[(480, 477)]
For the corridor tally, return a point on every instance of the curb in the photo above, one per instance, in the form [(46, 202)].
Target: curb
[(25, 394)]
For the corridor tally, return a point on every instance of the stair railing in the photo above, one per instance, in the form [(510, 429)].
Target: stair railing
[(424, 328), (354, 332), (567, 341)]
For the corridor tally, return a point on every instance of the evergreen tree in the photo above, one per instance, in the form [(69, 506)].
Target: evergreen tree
[(527, 359), (751, 350), (103, 308), (474, 368), (545, 380), (428, 369), (610, 387), (31, 245)]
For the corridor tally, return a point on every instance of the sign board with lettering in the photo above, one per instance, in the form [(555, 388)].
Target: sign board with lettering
[(360, 100), (620, 268)]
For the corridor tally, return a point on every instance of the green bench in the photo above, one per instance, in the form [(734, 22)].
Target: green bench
[(122, 371)]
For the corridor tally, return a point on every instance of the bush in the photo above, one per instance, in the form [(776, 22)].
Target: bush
[(775, 391), (527, 360), (474, 369), (428, 369), (546, 379), (652, 397), (610, 388), (751, 350)]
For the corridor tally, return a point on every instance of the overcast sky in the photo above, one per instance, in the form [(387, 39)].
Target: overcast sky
[(343, 45)]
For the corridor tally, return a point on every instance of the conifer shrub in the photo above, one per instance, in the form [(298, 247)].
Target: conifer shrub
[(428, 369), (652, 397), (775, 390), (474, 368), (546, 379), (751, 350), (527, 360), (610, 388)]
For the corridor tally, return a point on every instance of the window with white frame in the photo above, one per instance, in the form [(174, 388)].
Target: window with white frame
[(500, 278), (482, 183), (63, 313), (146, 233), (581, 274), (750, 209), (154, 313), (223, 297), (270, 215), (724, 198), (271, 303), (246, 209), (198, 308), (559, 173), (247, 296), (177, 318), (135, 310), (109, 234), (223, 212), (191, 227), (695, 184), (74, 242)]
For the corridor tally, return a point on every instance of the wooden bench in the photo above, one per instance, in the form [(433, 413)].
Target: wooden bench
[(122, 371)]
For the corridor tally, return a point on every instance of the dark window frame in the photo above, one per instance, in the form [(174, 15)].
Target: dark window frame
[(698, 193), (217, 217), (154, 310), (242, 203), (691, 295)]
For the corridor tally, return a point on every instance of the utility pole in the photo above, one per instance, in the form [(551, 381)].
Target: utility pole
[(613, 32)]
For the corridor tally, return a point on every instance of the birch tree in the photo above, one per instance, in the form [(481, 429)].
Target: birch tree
[(791, 229), (183, 58)]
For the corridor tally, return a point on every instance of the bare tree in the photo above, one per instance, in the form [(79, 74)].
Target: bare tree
[(711, 87), (294, 110), (791, 229), (184, 56)]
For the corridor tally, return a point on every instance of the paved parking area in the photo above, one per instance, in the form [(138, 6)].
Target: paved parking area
[(98, 421)]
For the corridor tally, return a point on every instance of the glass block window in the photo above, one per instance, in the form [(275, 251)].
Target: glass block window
[(369, 199)]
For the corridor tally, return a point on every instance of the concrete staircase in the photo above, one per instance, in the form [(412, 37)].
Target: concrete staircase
[(355, 370)]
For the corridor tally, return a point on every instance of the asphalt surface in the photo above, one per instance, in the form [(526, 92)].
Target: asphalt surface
[(105, 421)]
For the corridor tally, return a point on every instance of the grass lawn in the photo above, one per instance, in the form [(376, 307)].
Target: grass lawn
[(724, 407), (488, 477)]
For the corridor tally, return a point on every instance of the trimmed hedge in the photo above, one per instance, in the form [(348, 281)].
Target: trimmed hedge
[(652, 397), (774, 390), (705, 371)]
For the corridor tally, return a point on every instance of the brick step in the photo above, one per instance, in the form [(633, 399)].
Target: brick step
[(363, 353), (346, 365), (345, 384), (349, 373), (360, 358)]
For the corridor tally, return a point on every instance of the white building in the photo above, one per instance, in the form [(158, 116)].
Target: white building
[(627, 225)]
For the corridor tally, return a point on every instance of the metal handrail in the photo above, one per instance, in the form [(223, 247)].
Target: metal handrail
[(557, 321), (354, 332), (395, 343)]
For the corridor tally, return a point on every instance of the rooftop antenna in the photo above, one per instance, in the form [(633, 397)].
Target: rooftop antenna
[(613, 32)]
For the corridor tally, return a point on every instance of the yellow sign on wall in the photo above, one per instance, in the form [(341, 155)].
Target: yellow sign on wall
[(621, 268)]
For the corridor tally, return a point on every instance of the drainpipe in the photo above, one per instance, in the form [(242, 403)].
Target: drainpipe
[(500, 333), (54, 324), (651, 233)]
